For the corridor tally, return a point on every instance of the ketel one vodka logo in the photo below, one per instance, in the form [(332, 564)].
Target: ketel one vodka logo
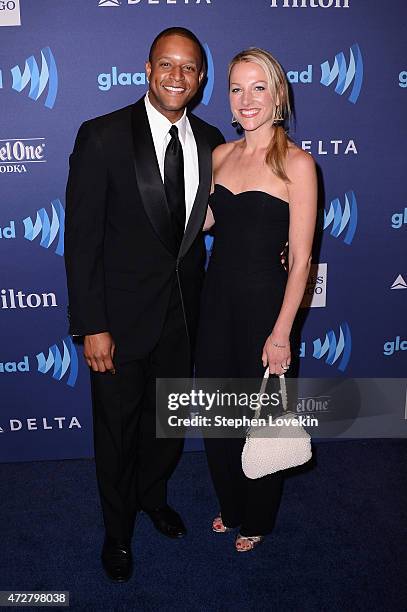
[(37, 78), (17, 156)]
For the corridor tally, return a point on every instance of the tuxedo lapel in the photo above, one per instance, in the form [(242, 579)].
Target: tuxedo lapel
[(197, 216), (148, 176)]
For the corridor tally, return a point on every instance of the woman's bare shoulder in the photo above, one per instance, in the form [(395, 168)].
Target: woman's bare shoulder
[(298, 161), (222, 151)]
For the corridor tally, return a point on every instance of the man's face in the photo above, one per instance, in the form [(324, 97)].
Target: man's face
[(174, 74)]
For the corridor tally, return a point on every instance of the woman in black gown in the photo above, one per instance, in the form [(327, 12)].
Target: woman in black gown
[(264, 194)]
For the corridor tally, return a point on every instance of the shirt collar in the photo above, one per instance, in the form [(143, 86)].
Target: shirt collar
[(160, 125)]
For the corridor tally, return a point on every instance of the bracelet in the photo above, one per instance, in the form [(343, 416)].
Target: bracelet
[(279, 345)]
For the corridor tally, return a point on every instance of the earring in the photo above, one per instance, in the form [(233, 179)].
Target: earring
[(234, 122), (278, 116)]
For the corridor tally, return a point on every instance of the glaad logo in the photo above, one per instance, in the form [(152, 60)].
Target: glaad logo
[(332, 347), (392, 346), (208, 243), (52, 230), (106, 80), (109, 2), (403, 79), (399, 283), (60, 362), (399, 219), (17, 153), (10, 13), (9, 367), (38, 79), (342, 219), (210, 76), (344, 73)]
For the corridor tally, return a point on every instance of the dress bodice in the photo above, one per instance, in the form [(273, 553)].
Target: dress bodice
[(251, 229)]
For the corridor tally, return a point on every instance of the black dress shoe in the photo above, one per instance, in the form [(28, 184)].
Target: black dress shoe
[(117, 560), (167, 521)]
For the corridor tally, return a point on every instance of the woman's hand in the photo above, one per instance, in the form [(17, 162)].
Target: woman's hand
[(277, 354)]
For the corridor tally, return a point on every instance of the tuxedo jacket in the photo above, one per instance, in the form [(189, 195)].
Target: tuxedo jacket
[(120, 256)]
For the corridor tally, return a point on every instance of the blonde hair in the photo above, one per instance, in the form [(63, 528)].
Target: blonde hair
[(278, 87)]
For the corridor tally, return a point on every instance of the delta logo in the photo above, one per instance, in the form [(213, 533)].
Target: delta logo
[(41, 423), (345, 74), (399, 283), (116, 3)]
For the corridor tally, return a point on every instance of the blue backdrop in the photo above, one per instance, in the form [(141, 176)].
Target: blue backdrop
[(67, 61)]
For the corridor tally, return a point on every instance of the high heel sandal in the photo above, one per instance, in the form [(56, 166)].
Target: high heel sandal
[(223, 528), (252, 540)]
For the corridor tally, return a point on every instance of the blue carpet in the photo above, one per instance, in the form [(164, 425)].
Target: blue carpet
[(339, 543)]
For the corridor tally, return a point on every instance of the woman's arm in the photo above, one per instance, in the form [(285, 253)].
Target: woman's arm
[(217, 155), (302, 193)]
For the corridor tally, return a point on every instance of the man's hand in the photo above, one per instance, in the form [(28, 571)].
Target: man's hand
[(98, 350)]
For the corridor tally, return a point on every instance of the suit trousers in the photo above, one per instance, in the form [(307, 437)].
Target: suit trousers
[(132, 465)]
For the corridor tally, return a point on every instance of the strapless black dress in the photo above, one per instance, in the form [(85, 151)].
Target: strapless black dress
[(242, 296), (245, 282)]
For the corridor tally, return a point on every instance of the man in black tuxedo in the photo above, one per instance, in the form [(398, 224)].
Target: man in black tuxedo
[(136, 200)]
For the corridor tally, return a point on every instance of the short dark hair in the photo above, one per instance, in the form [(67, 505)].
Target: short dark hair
[(178, 31)]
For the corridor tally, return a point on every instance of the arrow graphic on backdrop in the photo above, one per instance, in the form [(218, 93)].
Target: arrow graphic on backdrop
[(37, 78), (345, 73), (51, 229)]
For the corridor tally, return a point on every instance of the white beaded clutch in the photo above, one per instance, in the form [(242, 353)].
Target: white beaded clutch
[(271, 449)]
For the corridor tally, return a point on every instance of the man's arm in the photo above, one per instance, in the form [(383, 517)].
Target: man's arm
[(84, 234), (217, 138)]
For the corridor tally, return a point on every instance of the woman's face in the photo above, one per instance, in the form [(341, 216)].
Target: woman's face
[(250, 98)]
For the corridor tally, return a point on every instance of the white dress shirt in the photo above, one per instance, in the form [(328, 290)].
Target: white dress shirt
[(160, 127)]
